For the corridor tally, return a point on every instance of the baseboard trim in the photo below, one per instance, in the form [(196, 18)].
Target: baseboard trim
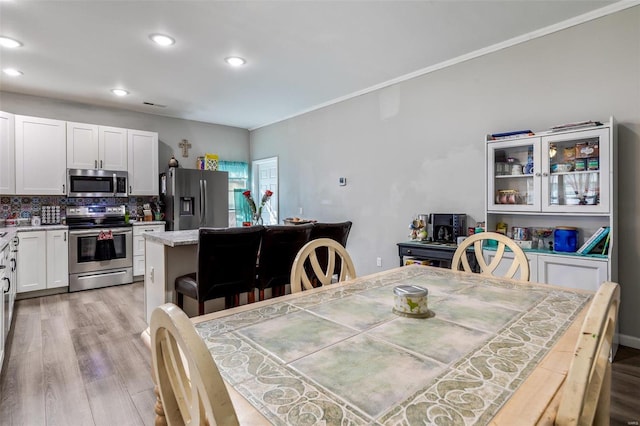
[(630, 341)]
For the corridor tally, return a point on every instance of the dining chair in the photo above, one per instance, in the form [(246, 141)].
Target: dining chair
[(519, 257), (586, 396), (226, 266), (323, 271), (337, 231), (279, 247), (188, 381)]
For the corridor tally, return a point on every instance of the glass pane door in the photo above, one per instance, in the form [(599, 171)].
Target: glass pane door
[(576, 172), (514, 175)]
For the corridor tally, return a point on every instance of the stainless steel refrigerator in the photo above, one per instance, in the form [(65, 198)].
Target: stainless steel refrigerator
[(195, 198)]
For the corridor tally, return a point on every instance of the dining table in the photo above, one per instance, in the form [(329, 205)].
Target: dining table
[(492, 351)]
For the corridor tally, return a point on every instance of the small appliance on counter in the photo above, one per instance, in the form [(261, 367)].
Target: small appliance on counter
[(446, 227)]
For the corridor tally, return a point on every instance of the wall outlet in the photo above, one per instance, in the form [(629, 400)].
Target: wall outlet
[(300, 211), (379, 261)]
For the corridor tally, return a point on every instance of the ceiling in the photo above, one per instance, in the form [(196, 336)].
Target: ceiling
[(300, 54)]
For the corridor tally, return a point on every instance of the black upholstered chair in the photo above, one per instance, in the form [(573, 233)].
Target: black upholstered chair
[(226, 266), (338, 231), (280, 244)]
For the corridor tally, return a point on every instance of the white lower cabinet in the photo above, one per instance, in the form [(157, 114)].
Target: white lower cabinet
[(32, 274), (566, 271), (572, 272), (48, 264), (138, 246), (4, 278), (57, 258)]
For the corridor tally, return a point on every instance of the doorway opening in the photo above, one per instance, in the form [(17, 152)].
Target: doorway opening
[(265, 177)]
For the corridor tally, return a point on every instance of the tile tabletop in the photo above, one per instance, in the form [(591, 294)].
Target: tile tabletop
[(342, 357)]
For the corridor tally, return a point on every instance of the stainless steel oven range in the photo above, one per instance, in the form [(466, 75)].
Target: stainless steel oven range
[(100, 247)]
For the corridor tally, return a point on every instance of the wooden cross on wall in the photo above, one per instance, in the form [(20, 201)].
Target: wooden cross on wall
[(185, 145)]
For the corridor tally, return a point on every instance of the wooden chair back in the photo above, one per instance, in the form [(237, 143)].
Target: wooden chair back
[(519, 260), (323, 272), (586, 394), (189, 383)]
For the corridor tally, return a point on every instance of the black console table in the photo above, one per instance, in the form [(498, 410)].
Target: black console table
[(426, 250)]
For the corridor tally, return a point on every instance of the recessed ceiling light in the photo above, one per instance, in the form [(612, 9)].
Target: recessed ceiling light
[(235, 61), (9, 42), (12, 72), (162, 40), (119, 92)]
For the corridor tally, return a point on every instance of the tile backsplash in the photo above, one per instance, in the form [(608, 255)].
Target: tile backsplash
[(27, 206)]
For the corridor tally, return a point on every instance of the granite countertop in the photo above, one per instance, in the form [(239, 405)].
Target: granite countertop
[(174, 238), (33, 228), (40, 228), (151, 222), (6, 238), (12, 230)]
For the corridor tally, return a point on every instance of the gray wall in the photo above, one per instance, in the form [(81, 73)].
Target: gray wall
[(418, 146), (230, 143)]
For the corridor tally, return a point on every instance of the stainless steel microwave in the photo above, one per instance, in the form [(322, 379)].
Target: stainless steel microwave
[(96, 183)]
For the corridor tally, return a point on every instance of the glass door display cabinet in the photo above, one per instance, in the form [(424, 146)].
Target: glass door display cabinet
[(547, 181), (565, 172)]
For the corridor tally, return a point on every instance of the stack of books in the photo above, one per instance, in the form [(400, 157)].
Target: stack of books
[(511, 135), (576, 125), (598, 243)]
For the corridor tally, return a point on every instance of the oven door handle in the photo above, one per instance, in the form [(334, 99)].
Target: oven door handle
[(96, 233)]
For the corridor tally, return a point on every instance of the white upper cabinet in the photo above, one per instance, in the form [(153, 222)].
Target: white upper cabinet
[(41, 160), (90, 146), (7, 154), (143, 162), (113, 148)]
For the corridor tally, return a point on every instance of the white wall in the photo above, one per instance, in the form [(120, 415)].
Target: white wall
[(230, 143), (418, 146)]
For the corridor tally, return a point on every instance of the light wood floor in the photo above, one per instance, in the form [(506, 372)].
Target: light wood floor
[(77, 359)]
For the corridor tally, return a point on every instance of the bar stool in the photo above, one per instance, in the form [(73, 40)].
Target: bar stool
[(226, 266), (280, 244)]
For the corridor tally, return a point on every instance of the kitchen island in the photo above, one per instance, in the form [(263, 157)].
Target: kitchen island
[(169, 255)]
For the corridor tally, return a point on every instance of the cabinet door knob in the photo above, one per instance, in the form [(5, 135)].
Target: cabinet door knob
[(545, 174), (95, 164), (538, 174), (409, 251)]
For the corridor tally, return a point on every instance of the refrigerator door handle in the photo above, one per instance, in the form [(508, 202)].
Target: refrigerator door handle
[(201, 202), (204, 202)]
